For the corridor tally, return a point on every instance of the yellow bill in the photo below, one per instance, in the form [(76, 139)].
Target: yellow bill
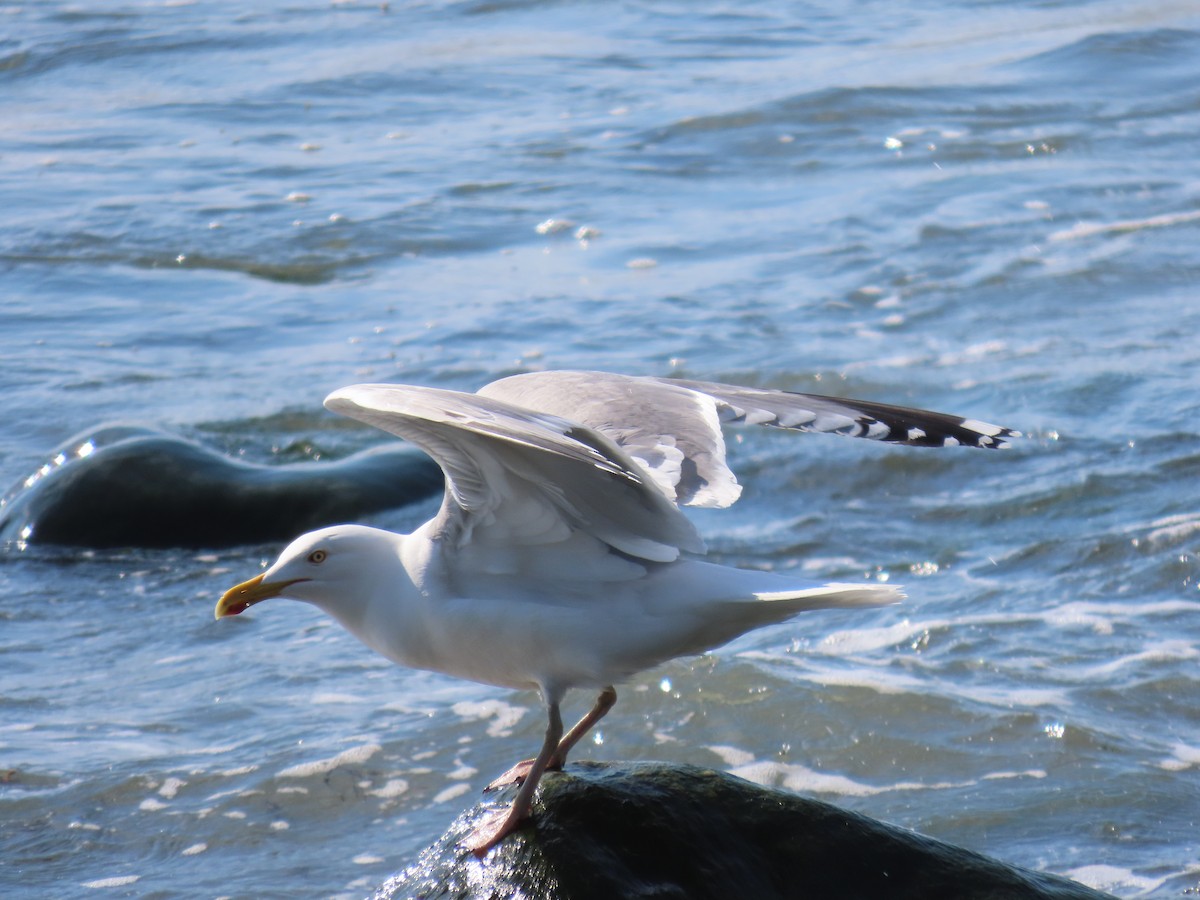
[(238, 599)]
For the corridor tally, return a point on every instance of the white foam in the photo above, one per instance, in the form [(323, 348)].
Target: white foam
[(1098, 616), (505, 715), (1114, 879), (1028, 773), (802, 779), (219, 750), (1010, 697), (972, 353), (732, 756), (1162, 607), (1165, 651), (878, 680), (455, 790), (1173, 529), (1183, 756), (194, 849), (391, 789), (353, 756), (461, 771), (240, 770), (118, 881), (870, 640), (1089, 229), (171, 787)]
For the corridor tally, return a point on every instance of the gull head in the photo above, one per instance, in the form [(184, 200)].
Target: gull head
[(329, 568)]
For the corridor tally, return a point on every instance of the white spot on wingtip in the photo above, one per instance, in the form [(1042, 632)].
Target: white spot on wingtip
[(982, 427)]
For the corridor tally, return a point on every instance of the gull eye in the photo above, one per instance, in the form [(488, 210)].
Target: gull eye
[(317, 557)]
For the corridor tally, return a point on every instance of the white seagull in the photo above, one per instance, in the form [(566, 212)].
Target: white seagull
[(557, 558)]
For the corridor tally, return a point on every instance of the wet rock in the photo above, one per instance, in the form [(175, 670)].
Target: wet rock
[(126, 486), (651, 830)]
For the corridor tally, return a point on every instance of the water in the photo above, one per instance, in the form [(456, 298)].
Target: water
[(215, 213)]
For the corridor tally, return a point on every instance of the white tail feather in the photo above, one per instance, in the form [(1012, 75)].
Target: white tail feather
[(835, 595)]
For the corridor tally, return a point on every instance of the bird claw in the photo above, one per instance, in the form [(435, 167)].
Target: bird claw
[(516, 775), (491, 831)]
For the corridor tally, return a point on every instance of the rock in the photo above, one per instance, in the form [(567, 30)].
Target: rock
[(652, 830), (125, 486)]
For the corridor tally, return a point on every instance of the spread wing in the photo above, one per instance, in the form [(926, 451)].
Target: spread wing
[(564, 466), (518, 479), (671, 430), (672, 427)]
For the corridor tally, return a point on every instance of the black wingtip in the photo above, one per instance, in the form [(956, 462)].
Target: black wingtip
[(921, 427)]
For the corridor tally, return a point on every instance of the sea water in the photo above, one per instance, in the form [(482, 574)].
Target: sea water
[(214, 213)]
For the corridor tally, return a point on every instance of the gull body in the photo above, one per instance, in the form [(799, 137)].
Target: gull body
[(557, 559), (400, 596)]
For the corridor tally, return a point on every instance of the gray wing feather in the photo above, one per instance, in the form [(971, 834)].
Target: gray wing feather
[(533, 457), (527, 472), (671, 430), (853, 418), (672, 427)]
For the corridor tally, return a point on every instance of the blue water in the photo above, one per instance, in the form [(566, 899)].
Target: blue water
[(215, 213)]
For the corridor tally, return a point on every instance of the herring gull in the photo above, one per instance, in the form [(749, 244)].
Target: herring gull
[(557, 559)]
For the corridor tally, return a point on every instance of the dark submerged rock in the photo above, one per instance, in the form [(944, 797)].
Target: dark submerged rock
[(125, 486), (651, 830)]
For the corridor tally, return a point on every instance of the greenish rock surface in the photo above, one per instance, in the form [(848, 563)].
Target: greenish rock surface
[(652, 830)]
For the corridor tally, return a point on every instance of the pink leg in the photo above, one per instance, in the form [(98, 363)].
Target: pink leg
[(599, 710), (518, 773), (504, 822)]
